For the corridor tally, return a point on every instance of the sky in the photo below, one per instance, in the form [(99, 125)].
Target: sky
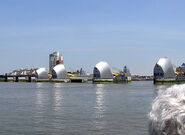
[(135, 33)]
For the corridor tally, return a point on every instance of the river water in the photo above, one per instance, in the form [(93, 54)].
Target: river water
[(75, 108)]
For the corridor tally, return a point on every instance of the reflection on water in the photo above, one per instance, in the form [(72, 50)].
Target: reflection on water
[(49, 108), (43, 99), (100, 108), (57, 96), (40, 98)]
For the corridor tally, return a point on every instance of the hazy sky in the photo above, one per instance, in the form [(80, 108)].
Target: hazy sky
[(135, 33)]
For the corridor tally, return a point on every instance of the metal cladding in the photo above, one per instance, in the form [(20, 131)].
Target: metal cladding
[(59, 72), (102, 71), (164, 69), (41, 73)]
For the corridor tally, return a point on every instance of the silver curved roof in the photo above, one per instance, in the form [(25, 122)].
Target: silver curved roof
[(102, 70), (59, 72), (166, 67), (41, 73)]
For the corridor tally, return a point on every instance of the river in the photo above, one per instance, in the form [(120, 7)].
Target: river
[(76, 108)]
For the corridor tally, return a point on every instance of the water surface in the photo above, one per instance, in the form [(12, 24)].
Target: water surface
[(76, 109)]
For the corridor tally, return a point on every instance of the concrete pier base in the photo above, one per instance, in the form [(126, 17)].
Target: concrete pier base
[(167, 81), (79, 80), (42, 80), (60, 80), (102, 81)]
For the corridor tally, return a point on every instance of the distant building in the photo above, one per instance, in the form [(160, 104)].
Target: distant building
[(102, 71), (55, 59), (23, 72), (82, 72), (41, 73), (164, 69), (127, 73), (59, 72)]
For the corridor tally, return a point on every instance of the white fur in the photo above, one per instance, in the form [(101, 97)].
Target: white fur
[(167, 116)]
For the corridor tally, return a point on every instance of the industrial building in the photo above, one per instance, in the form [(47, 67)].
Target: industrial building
[(127, 74), (122, 76), (19, 72), (102, 71), (164, 69), (41, 73), (59, 72), (82, 72), (55, 59)]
